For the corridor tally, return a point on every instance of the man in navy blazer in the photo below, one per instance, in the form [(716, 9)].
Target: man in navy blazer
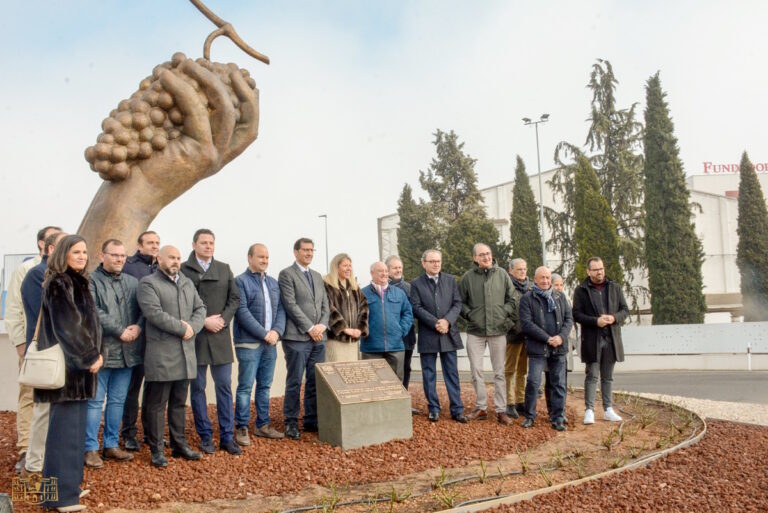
[(437, 304)]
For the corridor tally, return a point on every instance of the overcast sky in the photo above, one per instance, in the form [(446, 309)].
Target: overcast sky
[(352, 97)]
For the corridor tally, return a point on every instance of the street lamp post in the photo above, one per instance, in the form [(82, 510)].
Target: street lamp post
[(527, 121), (327, 264)]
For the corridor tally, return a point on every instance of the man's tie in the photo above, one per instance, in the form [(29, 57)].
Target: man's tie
[(311, 283)]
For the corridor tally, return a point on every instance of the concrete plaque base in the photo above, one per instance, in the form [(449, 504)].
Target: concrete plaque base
[(361, 403)]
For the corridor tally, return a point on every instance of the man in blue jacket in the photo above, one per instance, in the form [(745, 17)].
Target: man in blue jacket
[(545, 317), (389, 319), (259, 324)]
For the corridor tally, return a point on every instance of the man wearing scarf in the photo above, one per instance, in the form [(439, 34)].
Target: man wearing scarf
[(546, 321)]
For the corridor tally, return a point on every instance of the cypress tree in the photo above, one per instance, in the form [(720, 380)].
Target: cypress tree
[(456, 205), (413, 233), (614, 142), (752, 250), (594, 227), (524, 232), (673, 251)]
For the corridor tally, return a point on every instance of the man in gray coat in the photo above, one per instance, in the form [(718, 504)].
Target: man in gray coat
[(174, 313), (307, 312)]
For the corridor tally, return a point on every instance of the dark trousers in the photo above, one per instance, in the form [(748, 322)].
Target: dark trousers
[(159, 396), (131, 408), (548, 392), (556, 366), (394, 360), (450, 376), (65, 450), (300, 359), (222, 378), (407, 367)]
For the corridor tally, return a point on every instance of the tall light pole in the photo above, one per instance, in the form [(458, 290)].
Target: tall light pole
[(327, 264), (527, 121)]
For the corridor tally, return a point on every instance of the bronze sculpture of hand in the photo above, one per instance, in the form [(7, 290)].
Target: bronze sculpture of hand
[(188, 120)]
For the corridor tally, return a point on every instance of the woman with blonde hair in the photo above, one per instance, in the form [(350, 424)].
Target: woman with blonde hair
[(349, 311)]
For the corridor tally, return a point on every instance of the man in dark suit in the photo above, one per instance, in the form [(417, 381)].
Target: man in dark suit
[(437, 304), (141, 264), (216, 285), (307, 312)]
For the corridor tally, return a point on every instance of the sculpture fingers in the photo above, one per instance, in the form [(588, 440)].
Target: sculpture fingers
[(222, 115), (247, 129), (196, 123)]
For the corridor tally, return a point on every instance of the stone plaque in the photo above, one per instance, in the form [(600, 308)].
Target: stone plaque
[(361, 403)]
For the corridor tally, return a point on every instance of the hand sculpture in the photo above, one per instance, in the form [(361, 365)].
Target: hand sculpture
[(186, 122)]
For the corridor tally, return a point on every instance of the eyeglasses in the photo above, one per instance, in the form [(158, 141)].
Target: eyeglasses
[(433, 261), (597, 270), (484, 254), (116, 255)]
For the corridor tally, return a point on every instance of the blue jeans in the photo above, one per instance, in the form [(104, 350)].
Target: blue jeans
[(222, 378), (300, 358), (556, 366), (254, 365), (112, 384), (450, 376)]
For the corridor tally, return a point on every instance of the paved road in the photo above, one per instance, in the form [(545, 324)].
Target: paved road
[(732, 386)]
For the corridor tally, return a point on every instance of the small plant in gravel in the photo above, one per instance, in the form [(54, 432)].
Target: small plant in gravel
[(662, 442), (500, 484), (440, 479), (447, 497), (618, 462), (331, 502), (647, 417), (635, 451), (675, 426), (545, 475), (397, 497), (578, 465), (577, 453), (482, 475), (525, 461), (607, 440), (556, 458)]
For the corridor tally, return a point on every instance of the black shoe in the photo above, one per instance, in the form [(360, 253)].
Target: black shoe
[(187, 453), (520, 407), (460, 418), (528, 423), (207, 446), (310, 428), (231, 447), (433, 416), (132, 444), (415, 411), (166, 443), (512, 411), (292, 431), (559, 425), (159, 460)]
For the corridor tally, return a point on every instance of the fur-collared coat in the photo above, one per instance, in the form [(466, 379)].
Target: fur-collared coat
[(70, 319), (349, 309)]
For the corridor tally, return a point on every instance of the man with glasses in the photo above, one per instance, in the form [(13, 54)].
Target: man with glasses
[(437, 304), (114, 293), (600, 308), (490, 309), (307, 312)]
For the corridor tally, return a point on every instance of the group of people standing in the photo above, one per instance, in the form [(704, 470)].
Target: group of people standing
[(154, 322)]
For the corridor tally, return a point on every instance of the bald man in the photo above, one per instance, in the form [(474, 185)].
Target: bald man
[(174, 314), (546, 321)]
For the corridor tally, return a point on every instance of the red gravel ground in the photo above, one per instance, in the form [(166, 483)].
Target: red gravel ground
[(726, 472), (275, 467)]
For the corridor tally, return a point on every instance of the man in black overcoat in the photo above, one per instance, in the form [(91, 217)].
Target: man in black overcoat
[(437, 304)]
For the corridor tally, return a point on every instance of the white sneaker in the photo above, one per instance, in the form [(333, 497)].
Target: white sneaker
[(589, 417), (611, 416)]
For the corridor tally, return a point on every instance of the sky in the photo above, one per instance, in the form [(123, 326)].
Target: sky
[(352, 98)]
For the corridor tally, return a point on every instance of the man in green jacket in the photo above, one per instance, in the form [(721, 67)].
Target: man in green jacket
[(490, 309)]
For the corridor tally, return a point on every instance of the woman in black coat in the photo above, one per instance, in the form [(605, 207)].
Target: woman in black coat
[(68, 317)]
